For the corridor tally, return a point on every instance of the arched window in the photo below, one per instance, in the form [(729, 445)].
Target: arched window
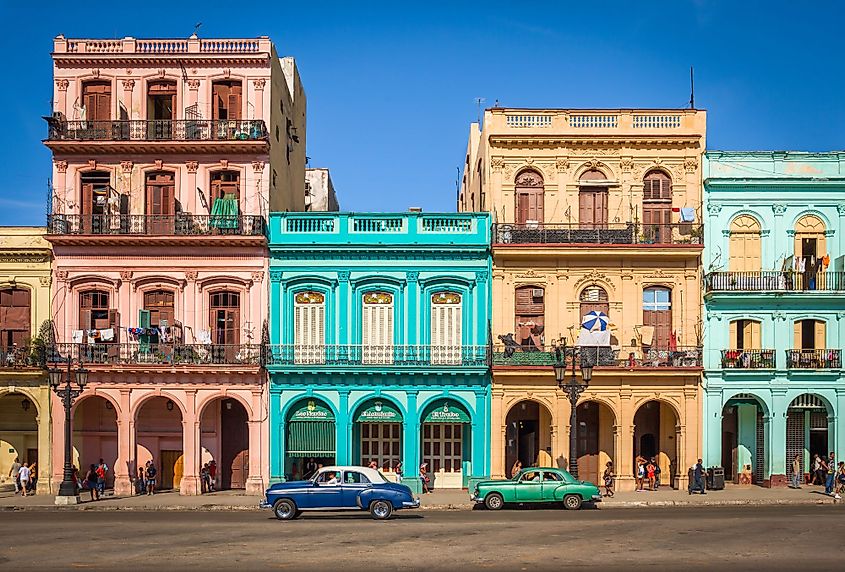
[(657, 207), (657, 314), (225, 317), (14, 317), (161, 202), (377, 328), (159, 304), (592, 199), (809, 238), (744, 247), (309, 327), (593, 298), (529, 198), (530, 317), (95, 316), (446, 328)]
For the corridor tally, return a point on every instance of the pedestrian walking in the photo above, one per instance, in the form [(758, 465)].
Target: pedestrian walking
[(23, 476), (656, 473), (140, 484), (831, 473), (33, 477), (102, 471), (796, 471), (424, 478), (14, 472), (91, 482), (640, 473), (818, 473), (204, 479), (517, 466), (608, 477), (649, 470), (697, 483), (150, 474), (212, 475), (840, 480)]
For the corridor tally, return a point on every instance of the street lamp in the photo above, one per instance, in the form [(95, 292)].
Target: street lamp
[(573, 390), (67, 490)]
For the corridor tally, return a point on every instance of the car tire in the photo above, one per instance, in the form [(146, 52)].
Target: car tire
[(381, 509), (571, 502), (285, 509), (494, 501)]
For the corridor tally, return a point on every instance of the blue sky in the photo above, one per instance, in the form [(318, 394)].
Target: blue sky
[(391, 87)]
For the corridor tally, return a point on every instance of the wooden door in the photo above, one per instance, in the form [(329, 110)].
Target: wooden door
[(588, 443), (161, 203), (529, 193), (592, 208), (171, 469), (235, 445), (529, 317), (227, 100), (96, 97)]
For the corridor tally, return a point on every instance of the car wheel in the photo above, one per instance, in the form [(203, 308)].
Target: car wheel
[(494, 501), (381, 509), (571, 502), (285, 509)]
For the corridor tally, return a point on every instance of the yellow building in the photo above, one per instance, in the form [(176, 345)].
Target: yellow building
[(25, 259), (594, 210)]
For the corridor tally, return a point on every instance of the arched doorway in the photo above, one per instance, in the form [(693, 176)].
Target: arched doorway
[(592, 199), (743, 439), (595, 440), (18, 433), (810, 252), (655, 436), (528, 435), (224, 438), (377, 434), (446, 438), (95, 435), (309, 437), (158, 438), (657, 207), (807, 430), (528, 190)]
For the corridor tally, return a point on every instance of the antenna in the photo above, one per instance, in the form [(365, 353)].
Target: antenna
[(196, 29), (691, 88), (478, 102)]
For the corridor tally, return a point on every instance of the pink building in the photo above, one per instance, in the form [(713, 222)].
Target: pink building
[(167, 157)]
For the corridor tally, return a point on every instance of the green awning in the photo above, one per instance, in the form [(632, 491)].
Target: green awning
[(378, 411), (224, 212), (446, 411), (311, 439), (311, 410)]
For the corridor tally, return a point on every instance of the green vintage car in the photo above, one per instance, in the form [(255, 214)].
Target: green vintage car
[(536, 485)]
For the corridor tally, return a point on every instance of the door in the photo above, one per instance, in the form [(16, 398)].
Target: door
[(588, 443), (530, 487), (234, 445), (171, 469), (592, 208), (96, 97), (353, 484), (529, 191), (161, 203), (161, 103), (326, 495), (551, 481)]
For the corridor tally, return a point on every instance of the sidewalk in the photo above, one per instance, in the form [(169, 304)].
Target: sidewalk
[(733, 495)]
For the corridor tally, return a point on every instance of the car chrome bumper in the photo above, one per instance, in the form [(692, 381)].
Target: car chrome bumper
[(474, 498), (596, 498), (263, 504), (411, 504)]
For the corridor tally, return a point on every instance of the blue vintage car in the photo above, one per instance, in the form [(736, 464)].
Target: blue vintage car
[(340, 488)]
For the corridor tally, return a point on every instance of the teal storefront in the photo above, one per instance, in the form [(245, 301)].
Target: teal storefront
[(379, 348)]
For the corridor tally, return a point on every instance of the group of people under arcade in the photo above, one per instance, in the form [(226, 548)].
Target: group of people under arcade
[(826, 472), (25, 477)]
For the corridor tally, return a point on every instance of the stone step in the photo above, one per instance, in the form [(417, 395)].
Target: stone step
[(7, 488)]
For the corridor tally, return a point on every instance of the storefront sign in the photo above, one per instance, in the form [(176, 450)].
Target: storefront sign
[(379, 412), (312, 410), (447, 412)]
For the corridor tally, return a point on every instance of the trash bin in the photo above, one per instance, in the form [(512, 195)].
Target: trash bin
[(716, 478)]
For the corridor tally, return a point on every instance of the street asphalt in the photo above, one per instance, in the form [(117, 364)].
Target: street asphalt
[(702, 538)]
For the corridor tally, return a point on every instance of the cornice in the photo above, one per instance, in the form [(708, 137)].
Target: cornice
[(261, 59), (575, 142)]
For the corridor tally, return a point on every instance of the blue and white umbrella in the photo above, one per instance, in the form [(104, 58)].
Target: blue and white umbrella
[(595, 320)]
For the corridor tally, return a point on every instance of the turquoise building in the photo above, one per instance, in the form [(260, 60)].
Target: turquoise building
[(379, 344), (774, 301)]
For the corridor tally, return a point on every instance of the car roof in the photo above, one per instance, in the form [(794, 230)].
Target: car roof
[(371, 474)]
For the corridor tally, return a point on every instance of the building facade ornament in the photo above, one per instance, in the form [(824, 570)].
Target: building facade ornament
[(45, 281), (159, 164), (690, 165), (61, 275), (259, 83), (840, 208), (62, 84), (128, 84), (714, 208), (126, 275), (412, 276), (258, 166), (193, 84), (496, 164), (61, 166), (191, 275), (192, 166), (779, 209), (275, 275), (126, 167), (343, 276), (626, 164), (257, 276)]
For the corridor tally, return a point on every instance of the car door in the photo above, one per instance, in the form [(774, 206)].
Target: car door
[(326, 492), (529, 488), (551, 481), (354, 483)]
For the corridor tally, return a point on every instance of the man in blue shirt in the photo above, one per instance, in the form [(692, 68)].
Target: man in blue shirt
[(698, 478)]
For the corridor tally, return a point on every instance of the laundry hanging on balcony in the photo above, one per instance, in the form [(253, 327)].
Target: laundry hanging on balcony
[(224, 212), (594, 329)]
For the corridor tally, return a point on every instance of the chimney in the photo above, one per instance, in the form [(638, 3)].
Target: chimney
[(414, 209)]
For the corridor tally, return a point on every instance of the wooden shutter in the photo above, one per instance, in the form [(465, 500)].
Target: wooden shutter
[(751, 335), (732, 336), (114, 323), (586, 209), (96, 97), (377, 333), (446, 333), (522, 208), (821, 335), (219, 98), (796, 335), (233, 103), (309, 333)]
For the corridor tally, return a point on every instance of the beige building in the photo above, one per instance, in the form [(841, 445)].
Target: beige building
[(24, 323), (594, 210), (319, 191)]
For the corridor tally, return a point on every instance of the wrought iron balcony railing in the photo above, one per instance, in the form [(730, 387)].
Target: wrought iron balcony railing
[(595, 233), (22, 356), (362, 355), (625, 357), (158, 354), (157, 130), (814, 359), (774, 281), (182, 224), (748, 359)]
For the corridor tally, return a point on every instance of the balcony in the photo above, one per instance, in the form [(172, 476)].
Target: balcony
[(748, 359), (629, 234), (199, 135), (624, 357), (157, 355), (774, 281), (22, 357), (814, 359), (386, 356)]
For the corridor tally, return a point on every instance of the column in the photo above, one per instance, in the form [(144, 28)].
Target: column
[(625, 469), (746, 438), (776, 438), (58, 414), (259, 84), (411, 435), (836, 435), (840, 208), (275, 305), (60, 105), (480, 434), (46, 464), (782, 237), (497, 435), (125, 465), (343, 333), (711, 423), (60, 190), (277, 435), (344, 429), (412, 306), (193, 92), (128, 86), (190, 484), (254, 482), (188, 192)]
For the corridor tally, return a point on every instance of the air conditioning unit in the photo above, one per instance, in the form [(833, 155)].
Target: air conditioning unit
[(537, 293)]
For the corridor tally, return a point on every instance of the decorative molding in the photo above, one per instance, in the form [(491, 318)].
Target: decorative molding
[(778, 315), (412, 276), (626, 164), (193, 84), (592, 277), (840, 208), (224, 163), (192, 166), (726, 232), (496, 164), (95, 72), (45, 281), (840, 316), (659, 274), (62, 84), (162, 73), (714, 208), (92, 163), (61, 275), (259, 83), (128, 84), (779, 209), (61, 166), (529, 178), (258, 166), (343, 275), (126, 275), (227, 73), (690, 165), (191, 275), (481, 276), (159, 164), (276, 275), (126, 167), (257, 276), (562, 164)]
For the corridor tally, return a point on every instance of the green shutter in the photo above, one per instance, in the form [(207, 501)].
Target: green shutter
[(311, 438)]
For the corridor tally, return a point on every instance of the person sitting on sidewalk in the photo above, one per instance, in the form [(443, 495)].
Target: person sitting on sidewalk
[(697, 483)]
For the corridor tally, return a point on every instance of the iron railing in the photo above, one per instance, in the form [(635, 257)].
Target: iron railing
[(182, 224), (157, 130), (22, 356), (158, 354), (587, 233), (748, 359), (774, 280), (814, 359), (627, 357), (364, 355)]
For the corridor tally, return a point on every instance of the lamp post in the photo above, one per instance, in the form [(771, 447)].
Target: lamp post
[(573, 390), (67, 490)]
